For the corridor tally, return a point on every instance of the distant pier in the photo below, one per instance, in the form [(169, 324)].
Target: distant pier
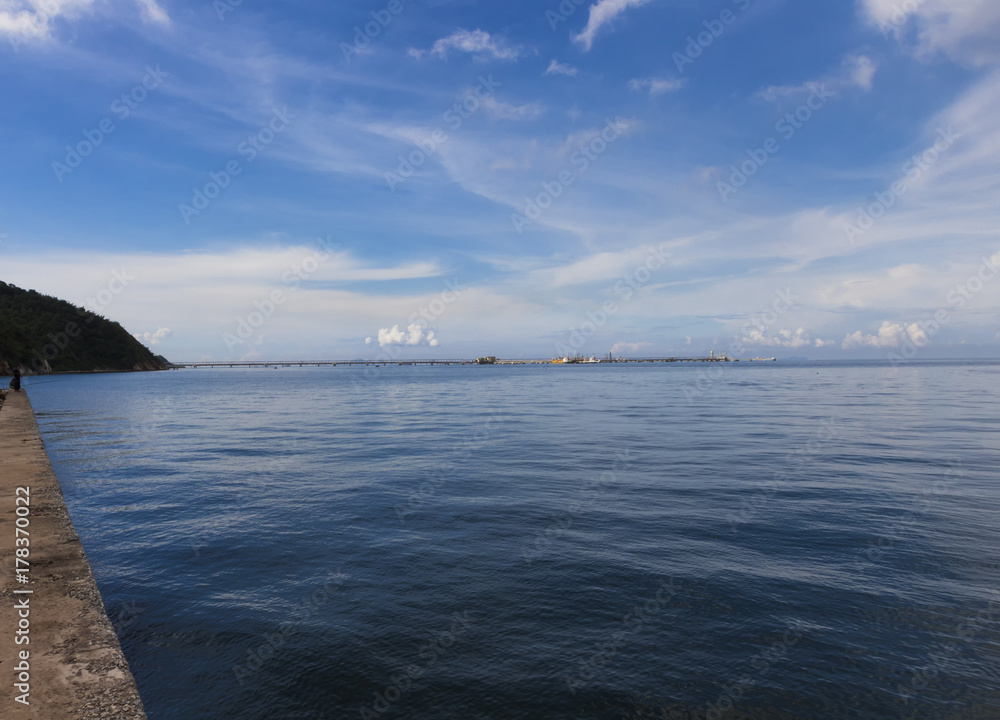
[(401, 361)]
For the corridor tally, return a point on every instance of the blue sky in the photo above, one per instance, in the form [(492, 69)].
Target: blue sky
[(652, 177)]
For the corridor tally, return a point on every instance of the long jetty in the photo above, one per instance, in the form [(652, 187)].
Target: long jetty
[(60, 658), (403, 361)]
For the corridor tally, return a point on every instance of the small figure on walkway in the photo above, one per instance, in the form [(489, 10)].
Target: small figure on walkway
[(16, 382)]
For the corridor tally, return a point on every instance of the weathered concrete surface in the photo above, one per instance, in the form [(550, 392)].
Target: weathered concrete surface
[(77, 669)]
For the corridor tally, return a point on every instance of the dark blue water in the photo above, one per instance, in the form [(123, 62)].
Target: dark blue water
[(683, 541)]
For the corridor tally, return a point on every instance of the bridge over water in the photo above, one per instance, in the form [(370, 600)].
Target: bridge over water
[(499, 361)]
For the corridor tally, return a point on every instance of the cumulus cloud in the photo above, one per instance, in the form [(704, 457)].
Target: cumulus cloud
[(825, 343), (621, 347), (413, 335), (602, 13), (890, 335), (656, 86), (153, 338), (477, 42), (558, 68), (784, 338), (34, 18), (856, 71)]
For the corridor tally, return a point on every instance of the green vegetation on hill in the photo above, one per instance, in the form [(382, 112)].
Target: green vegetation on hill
[(39, 334)]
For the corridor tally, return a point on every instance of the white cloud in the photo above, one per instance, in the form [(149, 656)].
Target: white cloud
[(506, 111), (602, 267), (414, 335), (860, 71), (153, 338), (34, 18), (558, 68), (968, 31), (656, 86), (627, 347), (784, 338), (895, 287), (890, 335), (152, 12), (478, 42), (602, 13), (856, 71), (825, 343)]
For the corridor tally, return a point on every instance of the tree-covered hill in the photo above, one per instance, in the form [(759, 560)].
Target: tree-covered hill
[(39, 334)]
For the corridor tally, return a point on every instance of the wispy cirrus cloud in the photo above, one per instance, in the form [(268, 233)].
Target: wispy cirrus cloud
[(475, 42), (967, 31), (856, 71), (558, 68), (602, 13), (656, 86), (505, 111)]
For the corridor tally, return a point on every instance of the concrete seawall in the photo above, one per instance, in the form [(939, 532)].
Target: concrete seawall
[(76, 668)]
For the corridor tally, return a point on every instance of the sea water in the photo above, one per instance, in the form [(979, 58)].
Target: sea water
[(765, 540)]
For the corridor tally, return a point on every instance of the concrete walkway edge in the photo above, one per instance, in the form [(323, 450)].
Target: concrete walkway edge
[(76, 668)]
